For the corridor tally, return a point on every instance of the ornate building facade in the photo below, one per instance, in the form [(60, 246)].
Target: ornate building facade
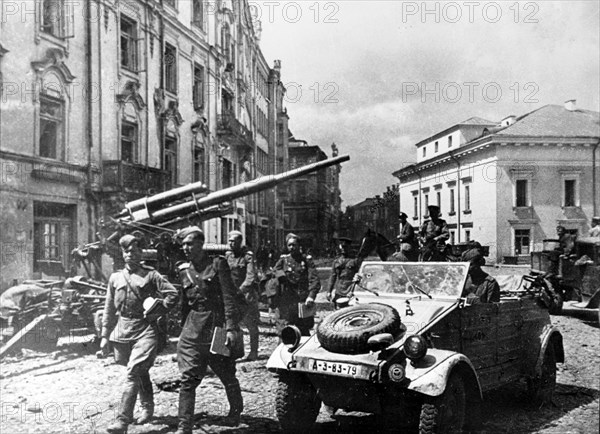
[(105, 101)]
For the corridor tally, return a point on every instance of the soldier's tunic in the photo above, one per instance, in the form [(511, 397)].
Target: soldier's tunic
[(134, 339), (208, 301), (343, 270), (480, 287), (430, 230), (243, 273), (298, 280)]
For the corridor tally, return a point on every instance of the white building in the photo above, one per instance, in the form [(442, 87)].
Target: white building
[(508, 184)]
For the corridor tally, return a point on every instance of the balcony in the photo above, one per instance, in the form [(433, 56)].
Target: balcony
[(233, 132), (133, 178)]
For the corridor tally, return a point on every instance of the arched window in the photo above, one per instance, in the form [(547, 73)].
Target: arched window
[(51, 117)]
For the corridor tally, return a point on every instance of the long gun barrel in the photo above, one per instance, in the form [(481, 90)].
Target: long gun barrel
[(160, 208)]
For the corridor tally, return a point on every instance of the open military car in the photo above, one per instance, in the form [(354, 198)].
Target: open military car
[(412, 351)]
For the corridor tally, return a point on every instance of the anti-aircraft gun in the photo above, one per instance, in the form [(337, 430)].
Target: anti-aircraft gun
[(154, 220)]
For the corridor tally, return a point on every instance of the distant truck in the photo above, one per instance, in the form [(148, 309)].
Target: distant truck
[(578, 277)]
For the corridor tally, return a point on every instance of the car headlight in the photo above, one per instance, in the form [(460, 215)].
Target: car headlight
[(415, 347), (290, 336)]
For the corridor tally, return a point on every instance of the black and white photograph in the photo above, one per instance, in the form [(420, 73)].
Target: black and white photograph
[(313, 216)]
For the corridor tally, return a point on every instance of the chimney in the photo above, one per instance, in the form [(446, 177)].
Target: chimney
[(571, 105)]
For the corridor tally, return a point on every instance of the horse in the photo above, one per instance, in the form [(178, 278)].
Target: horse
[(374, 241)]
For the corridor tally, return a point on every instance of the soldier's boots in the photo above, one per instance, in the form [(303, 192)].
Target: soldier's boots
[(146, 395), (187, 404), (125, 416), (117, 427), (236, 405)]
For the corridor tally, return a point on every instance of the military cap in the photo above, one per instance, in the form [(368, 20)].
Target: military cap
[(433, 207), (289, 236), (402, 215), (234, 234), (473, 256), (596, 218), (182, 233), (126, 240)]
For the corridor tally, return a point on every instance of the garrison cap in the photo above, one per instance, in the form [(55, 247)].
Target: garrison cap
[(473, 256), (126, 240), (182, 233), (289, 236), (234, 234)]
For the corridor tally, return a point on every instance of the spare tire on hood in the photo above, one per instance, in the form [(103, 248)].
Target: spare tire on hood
[(348, 330)]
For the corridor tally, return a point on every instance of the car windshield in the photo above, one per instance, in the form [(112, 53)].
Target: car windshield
[(435, 279)]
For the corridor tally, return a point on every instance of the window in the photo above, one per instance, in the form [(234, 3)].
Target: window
[(56, 18), (467, 197), (227, 173), (170, 62), (426, 205), (51, 128), (197, 13), (522, 239), (171, 159), (521, 188), (198, 90), (198, 164), (452, 237), (128, 43), (449, 141), (53, 237), (467, 235), (227, 46), (452, 209), (129, 142), (415, 207), (570, 192), (436, 147), (424, 151), (439, 199), (262, 161)]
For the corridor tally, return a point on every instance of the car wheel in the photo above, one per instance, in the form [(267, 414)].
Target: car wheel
[(348, 330), (296, 403), (541, 389), (446, 413)]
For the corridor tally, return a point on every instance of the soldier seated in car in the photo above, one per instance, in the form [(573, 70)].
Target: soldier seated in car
[(480, 287)]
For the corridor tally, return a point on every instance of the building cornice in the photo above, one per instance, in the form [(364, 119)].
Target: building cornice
[(485, 142)]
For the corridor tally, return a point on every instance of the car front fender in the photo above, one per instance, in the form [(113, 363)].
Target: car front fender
[(430, 375), (281, 357)]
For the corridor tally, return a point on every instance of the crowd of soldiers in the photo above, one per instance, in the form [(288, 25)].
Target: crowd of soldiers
[(220, 295)]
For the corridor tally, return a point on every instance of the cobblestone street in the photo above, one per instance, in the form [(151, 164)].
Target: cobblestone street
[(71, 391)]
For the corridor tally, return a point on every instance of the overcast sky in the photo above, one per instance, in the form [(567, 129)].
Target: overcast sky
[(376, 77)]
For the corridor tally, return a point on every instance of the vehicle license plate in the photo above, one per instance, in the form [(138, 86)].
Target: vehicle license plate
[(345, 369)]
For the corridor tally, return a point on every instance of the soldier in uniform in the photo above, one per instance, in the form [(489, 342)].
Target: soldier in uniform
[(595, 230), (134, 337), (208, 301), (343, 269), (480, 287), (433, 235), (408, 241), (243, 271), (299, 283)]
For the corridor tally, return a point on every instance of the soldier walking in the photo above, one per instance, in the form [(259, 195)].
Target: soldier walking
[(134, 336), (343, 269), (433, 235), (208, 301), (243, 272), (298, 283)]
